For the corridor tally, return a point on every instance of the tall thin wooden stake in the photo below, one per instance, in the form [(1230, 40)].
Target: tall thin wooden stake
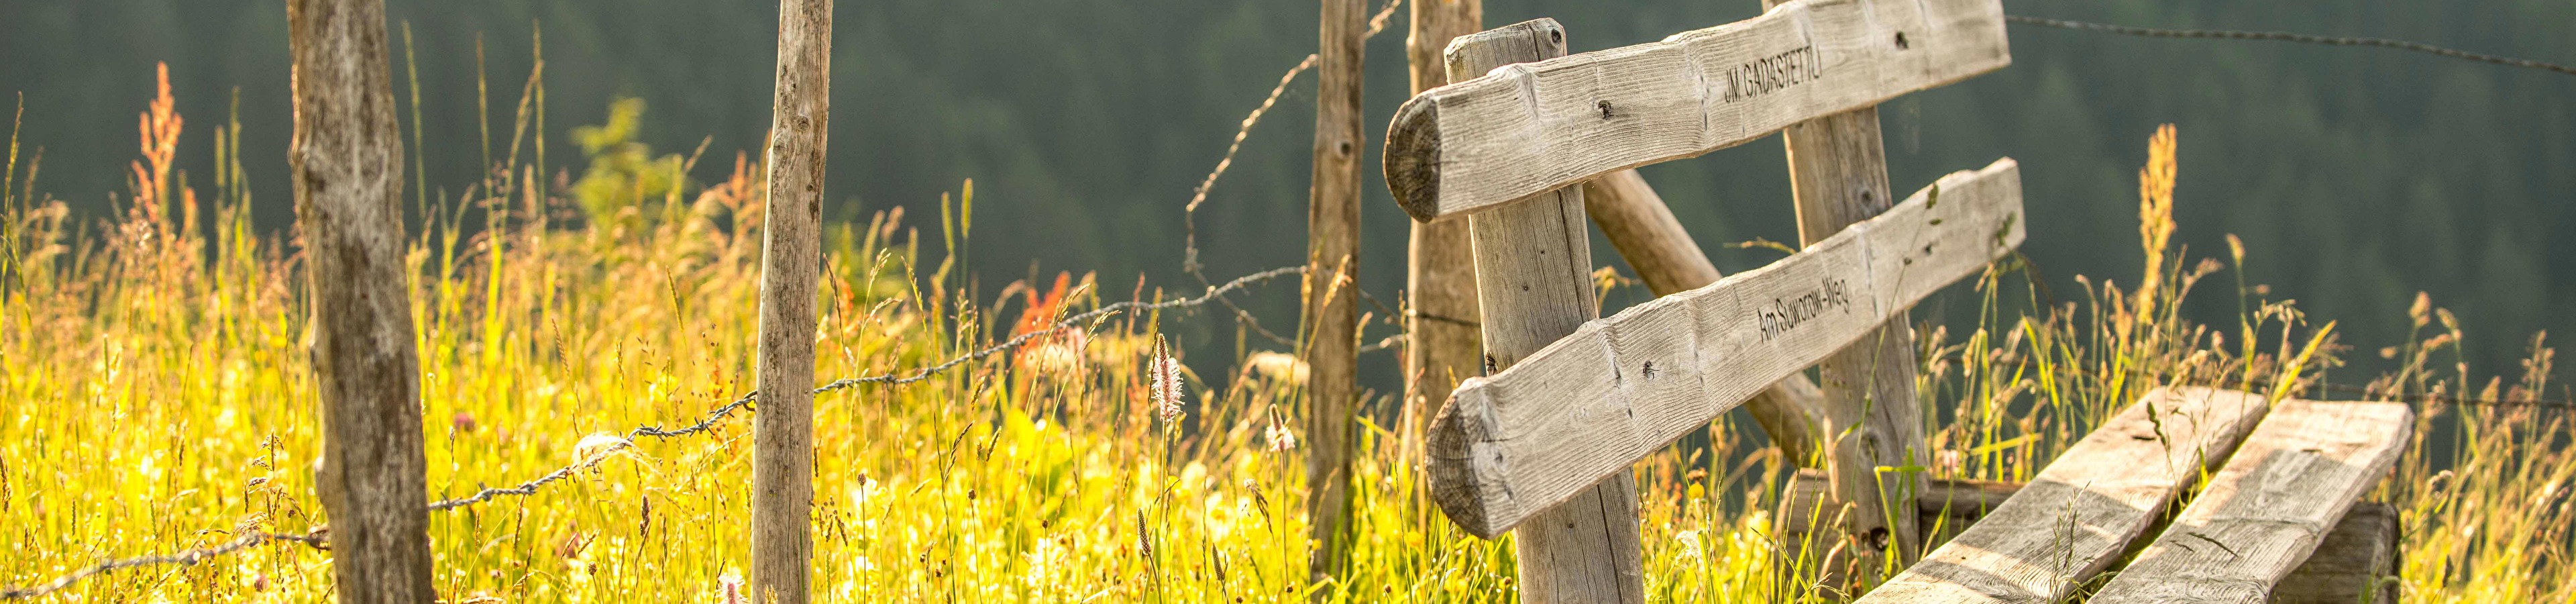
[(1440, 344), (1838, 176), (1331, 298), (782, 428), (347, 159), (1534, 286)]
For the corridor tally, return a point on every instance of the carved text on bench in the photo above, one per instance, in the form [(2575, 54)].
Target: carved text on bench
[(1787, 314), (1773, 73)]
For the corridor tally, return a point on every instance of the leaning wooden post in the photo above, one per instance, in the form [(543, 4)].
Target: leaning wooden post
[(1534, 286), (1331, 298), (782, 428), (1838, 176), (1440, 344), (347, 159)]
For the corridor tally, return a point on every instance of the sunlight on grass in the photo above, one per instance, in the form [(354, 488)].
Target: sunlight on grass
[(161, 399)]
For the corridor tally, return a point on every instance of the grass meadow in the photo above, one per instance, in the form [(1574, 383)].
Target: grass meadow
[(159, 397)]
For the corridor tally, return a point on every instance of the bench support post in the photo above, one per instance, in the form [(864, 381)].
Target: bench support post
[(1533, 285), (1838, 176)]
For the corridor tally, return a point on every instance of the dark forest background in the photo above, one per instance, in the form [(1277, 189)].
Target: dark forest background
[(2356, 177)]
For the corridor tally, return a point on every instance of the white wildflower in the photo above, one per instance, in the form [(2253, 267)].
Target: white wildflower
[(1163, 375), (1280, 438), (730, 585)]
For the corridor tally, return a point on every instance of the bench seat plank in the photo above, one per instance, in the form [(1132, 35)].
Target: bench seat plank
[(1528, 128), (1589, 405), (2076, 517), (2266, 511)]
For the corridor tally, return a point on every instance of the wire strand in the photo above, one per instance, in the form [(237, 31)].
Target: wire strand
[(182, 558), (2278, 36)]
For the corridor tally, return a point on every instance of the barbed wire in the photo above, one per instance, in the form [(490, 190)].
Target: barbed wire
[(591, 459), (1189, 211), (597, 449), (182, 558), (1216, 294), (2277, 36), (592, 453)]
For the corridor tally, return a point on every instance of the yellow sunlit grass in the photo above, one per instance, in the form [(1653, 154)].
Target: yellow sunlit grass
[(160, 399)]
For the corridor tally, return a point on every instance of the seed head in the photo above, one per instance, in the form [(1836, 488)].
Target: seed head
[(1163, 375)]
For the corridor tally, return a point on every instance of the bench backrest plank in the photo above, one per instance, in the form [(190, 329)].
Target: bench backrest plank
[(1592, 403), (2073, 520), (2269, 507), (1528, 128)]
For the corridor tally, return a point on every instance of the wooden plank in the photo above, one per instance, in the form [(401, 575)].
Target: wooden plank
[(1331, 315), (347, 160), (1534, 286), (2263, 513), (1440, 345), (2086, 508), (2354, 558), (1585, 407), (1646, 234), (782, 429), (1524, 129)]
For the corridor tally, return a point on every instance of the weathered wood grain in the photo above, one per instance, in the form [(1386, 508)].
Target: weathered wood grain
[(782, 426), (2270, 506), (2082, 511), (1330, 335), (2355, 557), (1524, 129), (1440, 345), (1545, 427), (1646, 234), (347, 160), (1534, 286)]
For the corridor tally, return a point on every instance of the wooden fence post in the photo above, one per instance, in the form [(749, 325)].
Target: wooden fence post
[(1534, 286), (782, 428), (347, 159), (1331, 335), (1838, 176), (1440, 345)]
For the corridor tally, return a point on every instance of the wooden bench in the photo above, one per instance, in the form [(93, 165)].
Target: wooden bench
[(1543, 443), (2298, 472), (2355, 558), (2267, 511)]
